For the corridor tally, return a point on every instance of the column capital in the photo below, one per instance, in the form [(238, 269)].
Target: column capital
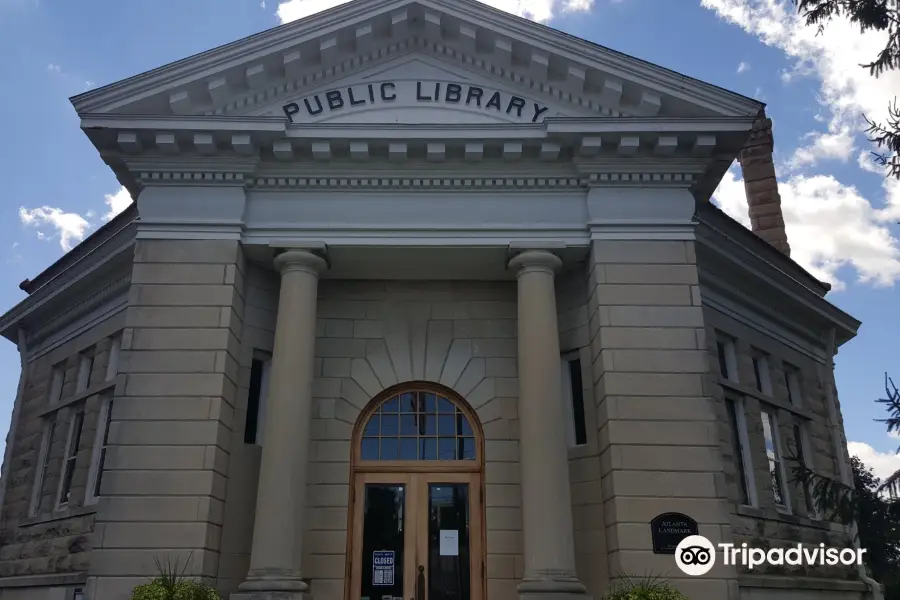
[(531, 261), (300, 260)]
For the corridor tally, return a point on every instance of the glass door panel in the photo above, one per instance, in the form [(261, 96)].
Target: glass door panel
[(383, 538), (382, 544), (448, 536), (417, 536), (449, 558)]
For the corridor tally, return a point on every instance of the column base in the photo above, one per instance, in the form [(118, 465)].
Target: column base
[(274, 583), (552, 589), (269, 595)]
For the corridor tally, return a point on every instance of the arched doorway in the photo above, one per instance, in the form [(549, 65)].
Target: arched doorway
[(416, 528)]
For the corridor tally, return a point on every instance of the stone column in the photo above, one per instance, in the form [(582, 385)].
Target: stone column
[(276, 551), (546, 498)]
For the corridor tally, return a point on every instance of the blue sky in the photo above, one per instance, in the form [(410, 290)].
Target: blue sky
[(841, 214)]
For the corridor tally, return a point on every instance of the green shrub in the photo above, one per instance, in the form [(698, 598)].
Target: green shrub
[(649, 588), (171, 584)]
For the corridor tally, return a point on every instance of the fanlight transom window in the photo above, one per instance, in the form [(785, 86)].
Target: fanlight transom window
[(418, 425)]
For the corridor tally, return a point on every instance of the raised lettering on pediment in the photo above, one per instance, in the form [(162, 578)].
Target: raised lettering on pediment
[(416, 91)]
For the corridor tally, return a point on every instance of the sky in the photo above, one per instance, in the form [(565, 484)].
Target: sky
[(841, 213)]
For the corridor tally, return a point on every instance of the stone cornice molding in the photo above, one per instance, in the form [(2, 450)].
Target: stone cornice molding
[(43, 304), (451, 182), (116, 286), (745, 273)]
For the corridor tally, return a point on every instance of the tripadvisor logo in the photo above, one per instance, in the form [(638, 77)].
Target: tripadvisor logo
[(696, 555)]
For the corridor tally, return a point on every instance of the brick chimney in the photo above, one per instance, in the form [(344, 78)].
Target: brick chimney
[(761, 187)]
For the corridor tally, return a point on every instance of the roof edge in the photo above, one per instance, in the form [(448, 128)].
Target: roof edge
[(285, 36)]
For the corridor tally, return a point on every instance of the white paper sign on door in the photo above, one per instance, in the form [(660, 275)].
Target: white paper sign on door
[(449, 542)]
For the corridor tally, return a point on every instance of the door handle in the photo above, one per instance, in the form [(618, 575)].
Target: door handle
[(420, 584)]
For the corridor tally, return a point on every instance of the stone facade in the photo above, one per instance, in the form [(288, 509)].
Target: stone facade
[(42, 538), (180, 480), (276, 277), (172, 417)]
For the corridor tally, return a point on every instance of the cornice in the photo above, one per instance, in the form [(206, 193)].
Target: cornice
[(446, 182), (99, 294), (759, 276), (45, 298), (720, 296)]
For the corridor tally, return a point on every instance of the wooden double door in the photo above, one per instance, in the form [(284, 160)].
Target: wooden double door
[(417, 536)]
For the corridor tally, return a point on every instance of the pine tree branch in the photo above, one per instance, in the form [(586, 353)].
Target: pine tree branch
[(891, 484)]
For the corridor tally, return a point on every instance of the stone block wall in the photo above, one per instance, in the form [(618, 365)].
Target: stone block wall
[(656, 423), (584, 460), (261, 305), (765, 525), (170, 434), (371, 335), (53, 545)]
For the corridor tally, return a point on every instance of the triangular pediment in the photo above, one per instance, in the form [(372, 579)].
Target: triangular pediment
[(347, 46), (417, 89)]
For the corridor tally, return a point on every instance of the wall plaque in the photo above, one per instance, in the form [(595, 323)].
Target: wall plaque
[(668, 529)]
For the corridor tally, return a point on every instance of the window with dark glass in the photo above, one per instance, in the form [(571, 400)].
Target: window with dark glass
[(65, 490), (573, 397), (762, 378), (727, 358), (253, 401), (104, 444), (418, 425), (773, 452), (800, 442), (792, 382), (738, 450)]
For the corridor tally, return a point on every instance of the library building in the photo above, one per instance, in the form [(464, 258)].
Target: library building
[(419, 300)]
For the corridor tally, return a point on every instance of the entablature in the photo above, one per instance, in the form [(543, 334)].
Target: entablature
[(236, 151)]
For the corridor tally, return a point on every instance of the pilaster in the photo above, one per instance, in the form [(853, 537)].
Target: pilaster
[(166, 462), (657, 425)]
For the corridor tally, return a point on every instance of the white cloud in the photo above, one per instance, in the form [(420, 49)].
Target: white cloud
[(882, 464), (743, 66), (116, 203), (829, 225), (70, 227), (536, 10), (53, 68), (835, 146), (894, 434), (834, 56)]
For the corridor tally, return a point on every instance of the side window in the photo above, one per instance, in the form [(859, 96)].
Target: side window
[(573, 399), (85, 366), (256, 399), (776, 460), (73, 442), (98, 457), (43, 464), (739, 440), (762, 375), (725, 350), (792, 382)]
